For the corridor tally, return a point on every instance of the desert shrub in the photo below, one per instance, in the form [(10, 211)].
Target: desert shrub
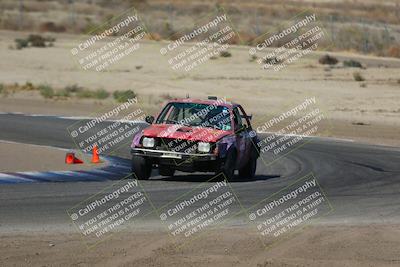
[(28, 86), (352, 64), (328, 60), (80, 92), (73, 88), (270, 60), (46, 91), (4, 90), (358, 77), (101, 94), (85, 93), (50, 39), (21, 43), (98, 94), (123, 96), (225, 54), (36, 40), (62, 93)]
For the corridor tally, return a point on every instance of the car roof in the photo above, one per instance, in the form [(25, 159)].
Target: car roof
[(218, 102)]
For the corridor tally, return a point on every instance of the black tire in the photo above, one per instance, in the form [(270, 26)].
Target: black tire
[(228, 166), (249, 170), (141, 167), (165, 171)]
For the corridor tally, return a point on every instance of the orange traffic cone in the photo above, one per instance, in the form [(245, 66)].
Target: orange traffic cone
[(95, 156), (71, 159)]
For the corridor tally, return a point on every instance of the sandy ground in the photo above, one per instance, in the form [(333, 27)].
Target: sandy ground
[(364, 111), (15, 157), (317, 245), (368, 113), (357, 129)]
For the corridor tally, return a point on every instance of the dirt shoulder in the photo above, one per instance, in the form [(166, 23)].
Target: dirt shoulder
[(16, 157), (317, 245), (366, 111), (367, 129)]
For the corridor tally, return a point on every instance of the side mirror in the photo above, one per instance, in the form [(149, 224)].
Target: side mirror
[(149, 119)]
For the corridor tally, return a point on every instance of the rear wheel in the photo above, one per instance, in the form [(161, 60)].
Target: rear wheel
[(249, 170), (141, 167), (165, 171)]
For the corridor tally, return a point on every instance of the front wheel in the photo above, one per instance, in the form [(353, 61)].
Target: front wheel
[(141, 167), (249, 170), (228, 167), (166, 171)]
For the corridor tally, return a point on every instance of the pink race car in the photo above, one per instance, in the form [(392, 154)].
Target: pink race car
[(194, 135)]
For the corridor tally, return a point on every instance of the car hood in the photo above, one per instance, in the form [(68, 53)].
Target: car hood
[(176, 131)]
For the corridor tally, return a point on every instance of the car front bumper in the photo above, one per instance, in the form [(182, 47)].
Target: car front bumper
[(178, 160), (164, 154)]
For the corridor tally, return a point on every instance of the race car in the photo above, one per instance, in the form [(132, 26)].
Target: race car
[(193, 135)]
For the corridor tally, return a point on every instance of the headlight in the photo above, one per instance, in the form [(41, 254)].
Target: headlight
[(203, 147), (148, 142)]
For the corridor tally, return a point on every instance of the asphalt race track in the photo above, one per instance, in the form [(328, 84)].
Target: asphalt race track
[(362, 182)]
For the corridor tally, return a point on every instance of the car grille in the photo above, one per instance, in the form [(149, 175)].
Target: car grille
[(176, 145)]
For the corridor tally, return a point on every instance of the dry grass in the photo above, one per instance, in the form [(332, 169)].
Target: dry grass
[(371, 24), (48, 92)]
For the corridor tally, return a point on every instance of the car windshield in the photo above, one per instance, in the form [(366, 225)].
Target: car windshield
[(194, 114)]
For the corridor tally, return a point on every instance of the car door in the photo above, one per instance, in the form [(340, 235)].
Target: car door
[(247, 135), (241, 137)]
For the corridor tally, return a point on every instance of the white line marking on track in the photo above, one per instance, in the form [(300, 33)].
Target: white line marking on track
[(311, 136), (78, 118)]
